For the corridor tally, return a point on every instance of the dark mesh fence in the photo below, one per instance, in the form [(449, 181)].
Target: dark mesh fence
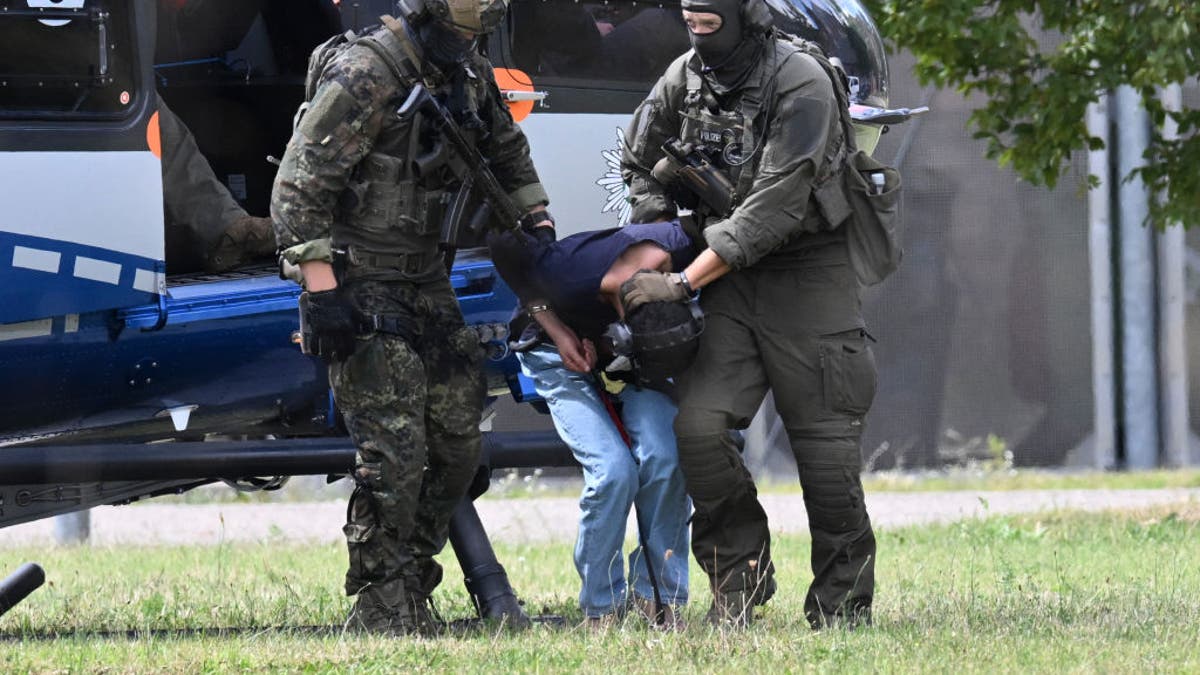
[(985, 329)]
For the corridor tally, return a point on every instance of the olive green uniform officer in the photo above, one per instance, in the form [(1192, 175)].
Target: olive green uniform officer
[(405, 370), (781, 304), (206, 228)]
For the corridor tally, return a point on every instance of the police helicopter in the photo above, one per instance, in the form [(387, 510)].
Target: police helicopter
[(120, 363)]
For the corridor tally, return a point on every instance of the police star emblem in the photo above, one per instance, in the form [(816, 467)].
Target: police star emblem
[(617, 200)]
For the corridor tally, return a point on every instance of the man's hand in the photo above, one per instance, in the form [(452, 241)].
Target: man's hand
[(649, 286), (577, 355), (333, 322)]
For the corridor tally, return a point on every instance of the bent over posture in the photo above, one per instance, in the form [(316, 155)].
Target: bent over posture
[(351, 210), (619, 433), (780, 299)]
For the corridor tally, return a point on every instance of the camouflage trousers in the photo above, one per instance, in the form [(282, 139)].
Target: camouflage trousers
[(412, 403)]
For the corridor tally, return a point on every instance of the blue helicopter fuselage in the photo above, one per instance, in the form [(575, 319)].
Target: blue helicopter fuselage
[(217, 350)]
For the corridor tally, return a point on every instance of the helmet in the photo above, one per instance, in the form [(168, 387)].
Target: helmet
[(476, 16), (756, 16), (844, 31), (661, 337)]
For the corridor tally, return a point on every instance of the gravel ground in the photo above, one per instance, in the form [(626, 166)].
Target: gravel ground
[(529, 520)]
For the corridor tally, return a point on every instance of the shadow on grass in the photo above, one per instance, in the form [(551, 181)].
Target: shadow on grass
[(456, 628)]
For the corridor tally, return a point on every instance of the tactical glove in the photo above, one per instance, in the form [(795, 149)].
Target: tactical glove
[(332, 323), (650, 286)]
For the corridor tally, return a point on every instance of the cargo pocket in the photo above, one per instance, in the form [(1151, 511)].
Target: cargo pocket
[(848, 372), (360, 529), (365, 380)]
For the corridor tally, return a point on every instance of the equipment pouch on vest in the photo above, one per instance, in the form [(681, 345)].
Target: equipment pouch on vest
[(390, 203), (873, 193), (858, 191)]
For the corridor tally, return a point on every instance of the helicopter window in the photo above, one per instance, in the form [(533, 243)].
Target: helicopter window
[(620, 41), (66, 57)]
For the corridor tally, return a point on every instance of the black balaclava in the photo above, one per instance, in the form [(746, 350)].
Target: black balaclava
[(728, 54), (444, 47)]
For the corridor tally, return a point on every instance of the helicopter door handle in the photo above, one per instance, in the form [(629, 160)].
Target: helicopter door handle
[(517, 95)]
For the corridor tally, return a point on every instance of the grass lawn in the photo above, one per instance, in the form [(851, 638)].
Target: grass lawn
[(1055, 592), (1021, 479)]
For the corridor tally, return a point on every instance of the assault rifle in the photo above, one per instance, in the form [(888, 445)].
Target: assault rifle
[(693, 170), (497, 207)]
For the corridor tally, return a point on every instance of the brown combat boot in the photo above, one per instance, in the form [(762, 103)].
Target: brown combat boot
[(245, 239), (386, 609)]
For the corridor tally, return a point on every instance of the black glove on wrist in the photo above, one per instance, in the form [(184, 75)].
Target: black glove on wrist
[(334, 323)]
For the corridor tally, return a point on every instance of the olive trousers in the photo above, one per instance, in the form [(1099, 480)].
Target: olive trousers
[(800, 333)]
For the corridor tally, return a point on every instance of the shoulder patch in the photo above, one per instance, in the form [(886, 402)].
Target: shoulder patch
[(331, 106)]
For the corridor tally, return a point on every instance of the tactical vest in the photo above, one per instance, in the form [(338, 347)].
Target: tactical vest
[(389, 218), (728, 135), (739, 135)]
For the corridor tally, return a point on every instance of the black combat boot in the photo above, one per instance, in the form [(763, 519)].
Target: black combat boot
[(731, 610)]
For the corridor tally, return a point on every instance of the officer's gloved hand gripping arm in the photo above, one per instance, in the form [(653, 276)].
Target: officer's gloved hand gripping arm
[(777, 204)]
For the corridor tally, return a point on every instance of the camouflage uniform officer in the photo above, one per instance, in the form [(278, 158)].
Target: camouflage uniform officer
[(405, 369), (781, 303), (206, 227)]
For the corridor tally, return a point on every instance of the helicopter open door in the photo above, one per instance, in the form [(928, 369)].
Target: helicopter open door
[(80, 176)]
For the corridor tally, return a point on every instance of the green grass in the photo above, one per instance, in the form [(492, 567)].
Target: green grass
[(1025, 479), (1049, 593)]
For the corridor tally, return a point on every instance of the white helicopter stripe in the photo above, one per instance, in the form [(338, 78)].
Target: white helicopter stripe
[(97, 270), (148, 281), (36, 259)]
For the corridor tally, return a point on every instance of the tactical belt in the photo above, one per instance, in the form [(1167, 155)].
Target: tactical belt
[(409, 263), (392, 324)]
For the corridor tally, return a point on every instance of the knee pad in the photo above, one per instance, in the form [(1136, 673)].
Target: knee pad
[(713, 470), (833, 496)]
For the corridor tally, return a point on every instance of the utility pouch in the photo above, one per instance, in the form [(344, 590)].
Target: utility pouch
[(309, 343), (861, 194), (872, 191)]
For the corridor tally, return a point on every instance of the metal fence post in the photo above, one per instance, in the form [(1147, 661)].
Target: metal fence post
[(1100, 255), (1137, 334), (1172, 320)]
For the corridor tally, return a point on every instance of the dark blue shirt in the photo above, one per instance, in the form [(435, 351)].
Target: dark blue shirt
[(568, 272)]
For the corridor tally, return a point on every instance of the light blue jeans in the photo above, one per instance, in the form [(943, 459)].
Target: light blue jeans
[(616, 477)]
